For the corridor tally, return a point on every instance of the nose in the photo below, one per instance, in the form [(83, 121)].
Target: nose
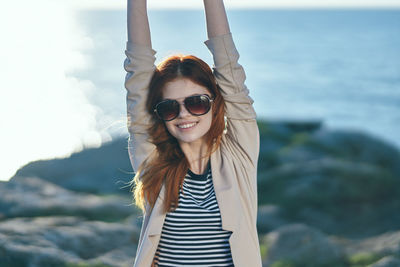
[(183, 111)]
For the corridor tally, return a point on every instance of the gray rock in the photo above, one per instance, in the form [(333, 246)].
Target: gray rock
[(326, 193), (358, 146), (56, 241), (121, 257), (95, 170), (288, 127), (279, 137), (29, 196), (269, 218), (388, 261), (384, 244), (300, 244)]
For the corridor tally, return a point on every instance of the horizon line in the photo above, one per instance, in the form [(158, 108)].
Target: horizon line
[(256, 4), (299, 8)]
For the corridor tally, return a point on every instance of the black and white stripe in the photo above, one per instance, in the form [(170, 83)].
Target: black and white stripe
[(192, 235)]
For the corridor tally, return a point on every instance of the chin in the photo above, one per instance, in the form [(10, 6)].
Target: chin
[(189, 139)]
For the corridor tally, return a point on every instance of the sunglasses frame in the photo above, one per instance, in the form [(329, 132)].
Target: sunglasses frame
[(211, 100)]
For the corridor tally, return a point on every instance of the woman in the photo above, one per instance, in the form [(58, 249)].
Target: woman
[(194, 145)]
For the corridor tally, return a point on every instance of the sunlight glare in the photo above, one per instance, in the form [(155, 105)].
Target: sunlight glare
[(44, 112)]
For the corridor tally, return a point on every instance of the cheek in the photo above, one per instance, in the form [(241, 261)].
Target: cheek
[(211, 114), (168, 126), (209, 121)]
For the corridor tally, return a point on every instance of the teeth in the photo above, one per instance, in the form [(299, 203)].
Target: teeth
[(187, 125)]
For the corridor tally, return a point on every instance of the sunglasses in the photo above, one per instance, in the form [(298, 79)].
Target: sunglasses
[(197, 105)]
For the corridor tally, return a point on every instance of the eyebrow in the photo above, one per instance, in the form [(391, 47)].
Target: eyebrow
[(185, 96)]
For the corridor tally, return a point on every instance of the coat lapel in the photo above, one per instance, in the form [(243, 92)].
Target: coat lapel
[(157, 215), (152, 234), (224, 192)]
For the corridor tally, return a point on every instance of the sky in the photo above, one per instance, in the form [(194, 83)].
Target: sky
[(244, 3), (44, 112)]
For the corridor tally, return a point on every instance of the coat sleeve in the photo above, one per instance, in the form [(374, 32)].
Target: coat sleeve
[(139, 65), (241, 117)]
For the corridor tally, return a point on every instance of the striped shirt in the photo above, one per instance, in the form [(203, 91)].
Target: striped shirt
[(192, 235)]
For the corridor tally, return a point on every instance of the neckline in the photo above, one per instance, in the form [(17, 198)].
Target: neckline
[(202, 176)]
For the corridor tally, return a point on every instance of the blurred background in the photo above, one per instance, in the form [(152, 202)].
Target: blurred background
[(325, 79)]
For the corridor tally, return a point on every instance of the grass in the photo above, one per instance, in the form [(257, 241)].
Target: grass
[(362, 259), (84, 264), (283, 263)]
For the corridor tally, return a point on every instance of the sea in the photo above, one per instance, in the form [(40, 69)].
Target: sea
[(338, 66)]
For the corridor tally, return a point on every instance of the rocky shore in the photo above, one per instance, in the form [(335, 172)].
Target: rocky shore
[(326, 198)]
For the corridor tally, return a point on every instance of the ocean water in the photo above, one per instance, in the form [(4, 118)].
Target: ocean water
[(338, 66)]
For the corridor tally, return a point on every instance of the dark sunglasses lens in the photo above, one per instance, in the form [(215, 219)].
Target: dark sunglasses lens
[(197, 105), (168, 110)]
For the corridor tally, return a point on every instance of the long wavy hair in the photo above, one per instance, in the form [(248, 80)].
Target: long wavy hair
[(168, 163)]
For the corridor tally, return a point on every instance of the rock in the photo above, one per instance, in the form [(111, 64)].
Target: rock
[(388, 261), (281, 144), (277, 136), (384, 244), (301, 245), (105, 170), (29, 196), (57, 241), (122, 256), (287, 127), (355, 199), (360, 147), (269, 218)]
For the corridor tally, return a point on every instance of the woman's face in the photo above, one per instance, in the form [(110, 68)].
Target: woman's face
[(187, 128)]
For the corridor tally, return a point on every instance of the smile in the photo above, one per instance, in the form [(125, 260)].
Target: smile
[(187, 125)]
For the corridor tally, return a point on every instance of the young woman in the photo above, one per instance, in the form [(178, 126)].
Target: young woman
[(194, 145)]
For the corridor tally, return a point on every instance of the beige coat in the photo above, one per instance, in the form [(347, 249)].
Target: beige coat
[(233, 165)]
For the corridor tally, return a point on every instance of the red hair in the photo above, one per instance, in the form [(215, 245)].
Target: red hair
[(168, 163)]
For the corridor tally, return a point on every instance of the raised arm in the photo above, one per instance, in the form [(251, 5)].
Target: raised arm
[(230, 76), (139, 65), (217, 21), (138, 23)]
